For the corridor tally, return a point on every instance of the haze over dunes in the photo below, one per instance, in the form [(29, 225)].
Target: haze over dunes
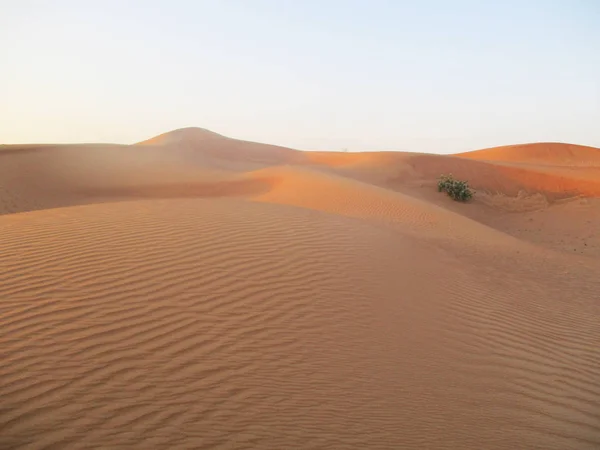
[(199, 291)]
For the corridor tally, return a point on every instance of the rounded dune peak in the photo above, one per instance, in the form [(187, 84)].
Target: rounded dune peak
[(548, 153), (183, 135)]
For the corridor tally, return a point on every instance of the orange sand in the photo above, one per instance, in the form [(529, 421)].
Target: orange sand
[(195, 291)]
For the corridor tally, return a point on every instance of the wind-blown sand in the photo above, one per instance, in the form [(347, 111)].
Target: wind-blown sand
[(196, 291)]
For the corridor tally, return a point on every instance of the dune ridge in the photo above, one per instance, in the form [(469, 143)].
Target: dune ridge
[(546, 153), (197, 291)]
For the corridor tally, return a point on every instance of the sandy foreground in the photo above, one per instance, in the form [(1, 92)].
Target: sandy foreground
[(199, 292)]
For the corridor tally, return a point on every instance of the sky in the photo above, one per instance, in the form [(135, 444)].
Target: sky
[(429, 76)]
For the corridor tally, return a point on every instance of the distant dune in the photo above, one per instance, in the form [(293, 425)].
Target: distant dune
[(547, 153), (225, 149), (198, 291), (189, 135)]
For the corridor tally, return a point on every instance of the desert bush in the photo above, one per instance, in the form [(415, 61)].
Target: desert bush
[(458, 190)]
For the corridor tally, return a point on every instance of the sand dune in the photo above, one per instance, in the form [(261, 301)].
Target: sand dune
[(196, 291), (190, 135), (548, 153), (394, 170), (225, 149)]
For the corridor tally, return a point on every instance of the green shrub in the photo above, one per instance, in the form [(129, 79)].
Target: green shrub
[(456, 189)]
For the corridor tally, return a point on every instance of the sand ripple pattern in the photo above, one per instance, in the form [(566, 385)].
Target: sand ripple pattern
[(226, 324)]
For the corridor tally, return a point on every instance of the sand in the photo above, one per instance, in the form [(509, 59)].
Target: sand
[(197, 292)]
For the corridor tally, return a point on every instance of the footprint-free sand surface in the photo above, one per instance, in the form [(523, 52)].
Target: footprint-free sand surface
[(199, 292)]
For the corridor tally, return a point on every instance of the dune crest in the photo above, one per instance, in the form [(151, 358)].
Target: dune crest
[(182, 135), (546, 153), (197, 291)]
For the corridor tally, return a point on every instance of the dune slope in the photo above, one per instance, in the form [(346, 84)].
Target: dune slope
[(273, 326), (546, 153), (394, 170), (201, 292)]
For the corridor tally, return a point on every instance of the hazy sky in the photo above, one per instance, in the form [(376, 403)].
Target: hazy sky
[(439, 76)]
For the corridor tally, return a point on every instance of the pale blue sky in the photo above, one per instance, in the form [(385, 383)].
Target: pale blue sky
[(437, 76)]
